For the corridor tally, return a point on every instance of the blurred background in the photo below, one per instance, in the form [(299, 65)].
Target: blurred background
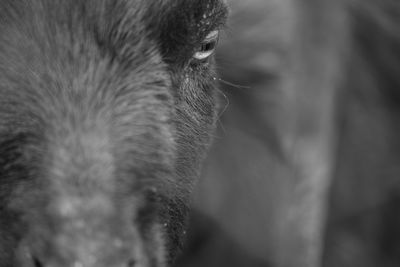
[(305, 169)]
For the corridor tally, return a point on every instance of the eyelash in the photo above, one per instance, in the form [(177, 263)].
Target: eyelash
[(208, 46)]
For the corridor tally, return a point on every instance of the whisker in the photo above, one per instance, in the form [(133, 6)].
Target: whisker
[(233, 84), (227, 103)]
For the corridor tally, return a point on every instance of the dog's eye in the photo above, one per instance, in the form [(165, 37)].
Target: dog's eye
[(208, 46)]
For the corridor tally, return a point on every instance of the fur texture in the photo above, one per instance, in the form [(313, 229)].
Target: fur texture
[(104, 120)]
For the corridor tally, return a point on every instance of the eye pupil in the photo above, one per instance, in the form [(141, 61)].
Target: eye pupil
[(208, 46)]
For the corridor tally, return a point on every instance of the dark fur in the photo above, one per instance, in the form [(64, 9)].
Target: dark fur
[(104, 120)]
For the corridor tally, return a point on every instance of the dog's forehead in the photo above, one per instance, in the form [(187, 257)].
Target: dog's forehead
[(203, 5), (210, 9)]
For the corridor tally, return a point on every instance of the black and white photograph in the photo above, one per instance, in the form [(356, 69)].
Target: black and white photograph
[(199, 133)]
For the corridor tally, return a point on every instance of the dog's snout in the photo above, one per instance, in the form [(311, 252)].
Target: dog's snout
[(110, 256), (89, 245)]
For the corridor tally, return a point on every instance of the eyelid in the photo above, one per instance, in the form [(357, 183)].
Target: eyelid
[(211, 36)]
